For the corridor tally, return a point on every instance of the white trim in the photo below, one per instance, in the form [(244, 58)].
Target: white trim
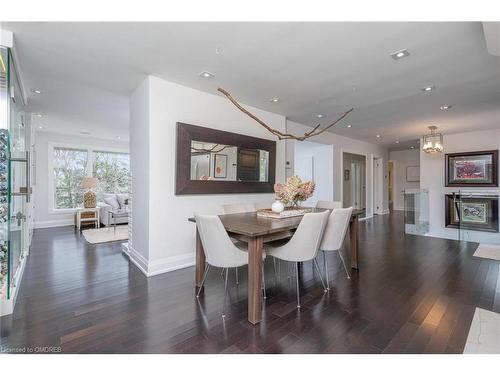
[(136, 258), (159, 266), (90, 163), (54, 223), (171, 264)]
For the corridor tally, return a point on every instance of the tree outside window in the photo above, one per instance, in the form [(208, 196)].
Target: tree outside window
[(112, 172), (70, 166)]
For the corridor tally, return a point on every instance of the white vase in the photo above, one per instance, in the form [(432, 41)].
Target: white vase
[(277, 207)]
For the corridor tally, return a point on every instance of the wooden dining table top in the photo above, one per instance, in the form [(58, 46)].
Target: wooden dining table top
[(251, 225)]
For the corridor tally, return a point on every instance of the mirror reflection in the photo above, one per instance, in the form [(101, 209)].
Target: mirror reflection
[(219, 162)]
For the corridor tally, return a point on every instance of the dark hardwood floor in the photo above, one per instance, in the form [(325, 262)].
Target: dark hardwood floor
[(411, 295)]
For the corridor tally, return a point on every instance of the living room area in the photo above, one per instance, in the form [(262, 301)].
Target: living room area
[(82, 180)]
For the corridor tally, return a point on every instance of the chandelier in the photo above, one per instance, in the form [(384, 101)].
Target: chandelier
[(433, 142)]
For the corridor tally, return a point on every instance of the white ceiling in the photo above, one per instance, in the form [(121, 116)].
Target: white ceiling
[(86, 72)]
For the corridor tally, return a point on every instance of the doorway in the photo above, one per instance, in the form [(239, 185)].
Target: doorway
[(378, 183), (390, 169), (354, 181)]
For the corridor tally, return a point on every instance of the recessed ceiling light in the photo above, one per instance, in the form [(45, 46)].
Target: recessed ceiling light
[(85, 133), (397, 141), (412, 147), (39, 115), (378, 136), (36, 91), (348, 126), (400, 54), (39, 127), (319, 115), (445, 107), (118, 137), (207, 75), (428, 88), (274, 100)]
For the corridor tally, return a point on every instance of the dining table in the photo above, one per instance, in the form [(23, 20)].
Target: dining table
[(256, 230)]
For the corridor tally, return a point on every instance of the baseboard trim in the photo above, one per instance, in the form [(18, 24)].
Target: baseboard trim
[(54, 223), (136, 258), (170, 264), (159, 266)]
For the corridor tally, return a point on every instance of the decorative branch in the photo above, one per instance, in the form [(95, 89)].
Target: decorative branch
[(283, 136), (210, 150)]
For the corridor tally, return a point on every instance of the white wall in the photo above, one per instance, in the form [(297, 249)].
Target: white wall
[(315, 161), (156, 107), (432, 178), (343, 144), (403, 159), (45, 215)]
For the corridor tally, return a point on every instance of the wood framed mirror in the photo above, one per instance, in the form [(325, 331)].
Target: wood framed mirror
[(213, 161)]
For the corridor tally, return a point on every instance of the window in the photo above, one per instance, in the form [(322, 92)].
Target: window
[(70, 166), (112, 172)]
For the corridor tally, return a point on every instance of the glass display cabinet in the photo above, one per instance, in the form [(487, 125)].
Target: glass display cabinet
[(14, 178)]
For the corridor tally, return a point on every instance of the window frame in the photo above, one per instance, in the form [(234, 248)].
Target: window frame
[(89, 172)]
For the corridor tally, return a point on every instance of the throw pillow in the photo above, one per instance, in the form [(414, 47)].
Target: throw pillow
[(113, 202), (121, 200)]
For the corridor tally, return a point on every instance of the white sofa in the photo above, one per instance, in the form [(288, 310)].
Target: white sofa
[(105, 207)]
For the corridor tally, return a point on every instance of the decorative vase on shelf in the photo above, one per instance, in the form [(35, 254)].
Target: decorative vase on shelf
[(277, 207)]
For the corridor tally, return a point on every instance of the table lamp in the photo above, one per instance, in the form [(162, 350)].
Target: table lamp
[(89, 197)]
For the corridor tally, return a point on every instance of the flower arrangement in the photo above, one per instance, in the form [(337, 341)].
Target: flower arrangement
[(294, 191)]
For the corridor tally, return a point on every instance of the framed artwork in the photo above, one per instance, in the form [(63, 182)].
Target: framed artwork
[(220, 166), (478, 168), (413, 173), (473, 213)]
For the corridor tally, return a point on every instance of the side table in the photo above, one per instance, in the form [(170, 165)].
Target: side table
[(94, 218)]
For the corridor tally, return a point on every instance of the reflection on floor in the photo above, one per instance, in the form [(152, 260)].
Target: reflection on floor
[(412, 294)]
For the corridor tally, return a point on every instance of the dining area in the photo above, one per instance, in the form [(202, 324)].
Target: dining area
[(245, 235)]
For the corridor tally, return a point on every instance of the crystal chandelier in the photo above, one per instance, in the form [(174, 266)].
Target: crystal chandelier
[(433, 142)]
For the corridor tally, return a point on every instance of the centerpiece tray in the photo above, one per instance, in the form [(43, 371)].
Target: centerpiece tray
[(288, 212)]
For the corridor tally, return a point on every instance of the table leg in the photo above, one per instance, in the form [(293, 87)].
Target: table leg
[(255, 280), (353, 233), (200, 260)]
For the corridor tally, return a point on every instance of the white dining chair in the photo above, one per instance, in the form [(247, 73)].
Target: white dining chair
[(331, 205), (220, 251), (304, 245), (238, 208), (334, 235)]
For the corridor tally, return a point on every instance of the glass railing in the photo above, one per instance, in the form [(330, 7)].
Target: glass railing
[(416, 211)]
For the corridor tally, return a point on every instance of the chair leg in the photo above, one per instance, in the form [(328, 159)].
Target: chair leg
[(237, 276), (343, 263), (319, 273), (326, 270), (225, 294), (274, 268), (297, 283), (263, 283), (207, 267)]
